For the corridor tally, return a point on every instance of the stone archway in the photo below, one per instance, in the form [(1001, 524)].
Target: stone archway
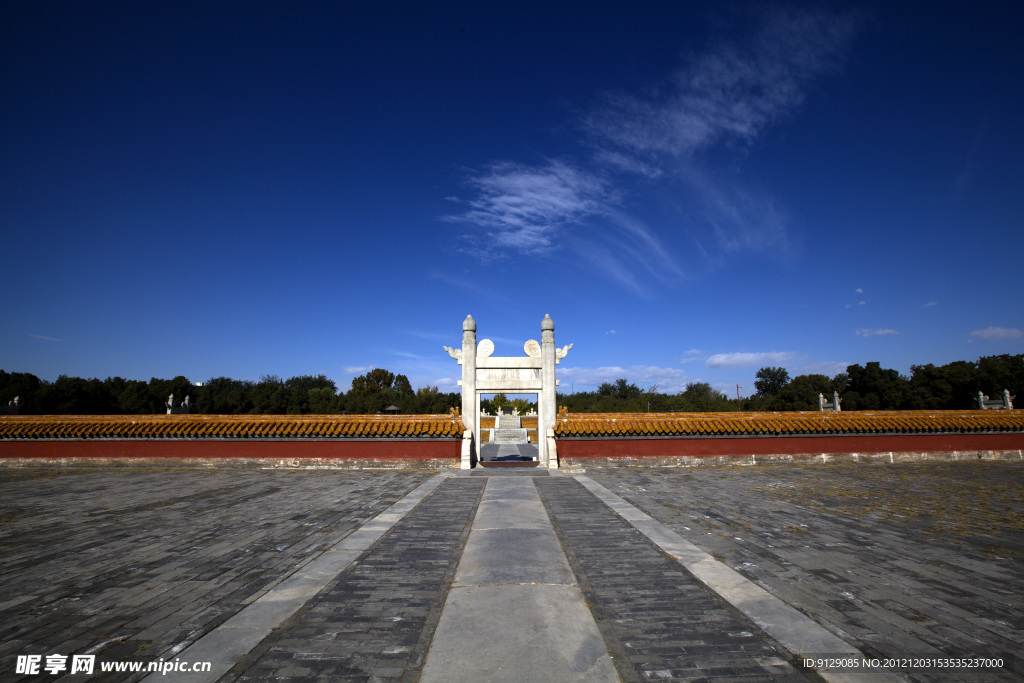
[(533, 373)]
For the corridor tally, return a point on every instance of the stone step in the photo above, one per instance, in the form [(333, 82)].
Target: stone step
[(507, 422), (510, 436)]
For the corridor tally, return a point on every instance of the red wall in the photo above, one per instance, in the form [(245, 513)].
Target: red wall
[(339, 450), (450, 450), (787, 445)]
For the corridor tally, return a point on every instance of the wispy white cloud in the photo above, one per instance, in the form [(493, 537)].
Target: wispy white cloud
[(740, 359), (45, 338), (524, 207), (731, 93), (970, 162), (732, 219), (465, 286), (727, 96), (610, 264), (443, 337), (669, 380), (357, 369), (998, 333), (691, 356), (447, 384), (865, 332), (930, 304), (859, 303), (610, 332), (859, 290), (829, 368)]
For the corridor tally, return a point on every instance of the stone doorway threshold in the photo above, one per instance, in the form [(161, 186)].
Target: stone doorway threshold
[(509, 455)]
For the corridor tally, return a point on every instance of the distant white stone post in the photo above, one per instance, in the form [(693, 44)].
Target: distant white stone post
[(546, 399)]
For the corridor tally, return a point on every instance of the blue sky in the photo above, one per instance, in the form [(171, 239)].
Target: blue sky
[(691, 190)]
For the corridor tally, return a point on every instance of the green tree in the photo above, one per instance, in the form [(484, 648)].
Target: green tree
[(134, 399), (402, 386), (802, 393), (626, 390), (941, 388), (431, 401), (298, 389), (161, 389), (873, 387), (996, 373), (701, 397), (770, 381), (367, 395), (322, 401), (224, 396), (373, 382), (22, 385), (269, 396)]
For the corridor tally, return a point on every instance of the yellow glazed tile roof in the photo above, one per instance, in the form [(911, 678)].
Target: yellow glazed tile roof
[(569, 425), (229, 426)]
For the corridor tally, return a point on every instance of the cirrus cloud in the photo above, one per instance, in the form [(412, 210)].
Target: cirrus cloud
[(652, 140), (864, 332), (740, 359), (998, 333), (669, 380)]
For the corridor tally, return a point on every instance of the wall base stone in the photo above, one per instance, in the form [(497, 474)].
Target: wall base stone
[(337, 454), (779, 458), (229, 463)]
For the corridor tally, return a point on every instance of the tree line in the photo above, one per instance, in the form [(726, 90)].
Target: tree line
[(623, 396), (371, 393), (953, 386)]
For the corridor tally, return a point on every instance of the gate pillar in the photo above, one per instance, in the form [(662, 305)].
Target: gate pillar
[(470, 404)]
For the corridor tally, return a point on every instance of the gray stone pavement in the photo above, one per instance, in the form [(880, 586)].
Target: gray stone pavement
[(135, 566), (898, 560), (128, 564)]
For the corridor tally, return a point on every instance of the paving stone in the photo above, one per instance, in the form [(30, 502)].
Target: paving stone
[(895, 559), (658, 620), (107, 552), (377, 619), (905, 558)]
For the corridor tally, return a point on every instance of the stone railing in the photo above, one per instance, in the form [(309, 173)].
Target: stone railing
[(833, 405), (1004, 403)]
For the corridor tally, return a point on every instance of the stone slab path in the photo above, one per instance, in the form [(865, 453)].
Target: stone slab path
[(629, 574), (515, 611)]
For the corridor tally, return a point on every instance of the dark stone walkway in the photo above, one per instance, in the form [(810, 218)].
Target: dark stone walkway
[(652, 612), (135, 566), (922, 558), (376, 621)]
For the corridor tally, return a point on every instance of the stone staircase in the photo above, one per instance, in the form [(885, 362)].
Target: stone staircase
[(508, 430)]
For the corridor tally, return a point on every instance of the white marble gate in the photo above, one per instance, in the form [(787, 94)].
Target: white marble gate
[(533, 373)]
